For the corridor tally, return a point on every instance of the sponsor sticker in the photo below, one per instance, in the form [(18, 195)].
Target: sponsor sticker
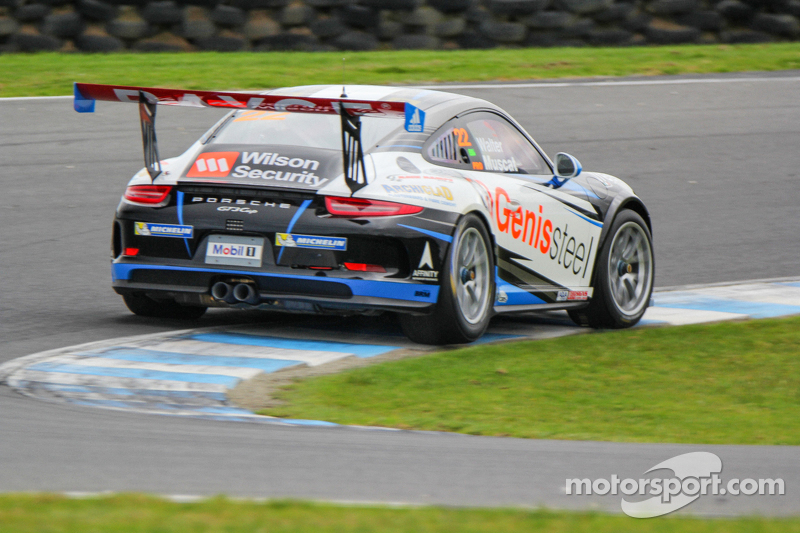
[(229, 250), (162, 230), (293, 240), (213, 165), (578, 295), (572, 296), (415, 119)]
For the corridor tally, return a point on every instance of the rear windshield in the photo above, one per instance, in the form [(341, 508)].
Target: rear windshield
[(299, 129)]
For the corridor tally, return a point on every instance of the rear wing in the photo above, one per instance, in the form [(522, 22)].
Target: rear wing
[(350, 111)]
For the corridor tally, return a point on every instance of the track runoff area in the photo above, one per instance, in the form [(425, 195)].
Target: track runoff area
[(190, 372)]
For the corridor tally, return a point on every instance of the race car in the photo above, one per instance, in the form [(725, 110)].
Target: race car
[(364, 199)]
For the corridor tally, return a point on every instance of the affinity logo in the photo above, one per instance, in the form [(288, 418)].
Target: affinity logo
[(695, 474), (213, 165)]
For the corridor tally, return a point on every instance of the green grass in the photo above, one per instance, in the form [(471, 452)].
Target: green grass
[(141, 514), (53, 73), (728, 383)]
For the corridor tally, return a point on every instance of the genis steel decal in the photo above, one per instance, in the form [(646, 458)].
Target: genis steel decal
[(568, 248), (293, 240), (257, 166), (148, 229)]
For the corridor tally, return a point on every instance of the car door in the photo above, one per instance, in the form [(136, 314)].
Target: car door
[(547, 240)]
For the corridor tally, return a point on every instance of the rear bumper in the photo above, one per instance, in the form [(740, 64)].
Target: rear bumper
[(192, 284)]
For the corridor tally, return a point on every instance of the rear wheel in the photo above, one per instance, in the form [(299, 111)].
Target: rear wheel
[(624, 276), (141, 305), (466, 290)]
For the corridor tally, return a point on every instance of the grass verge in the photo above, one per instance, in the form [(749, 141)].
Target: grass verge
[(140, 514), (727, 383), (53, 73)]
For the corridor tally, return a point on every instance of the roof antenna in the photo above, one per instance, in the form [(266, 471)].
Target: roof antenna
[(344, 93)]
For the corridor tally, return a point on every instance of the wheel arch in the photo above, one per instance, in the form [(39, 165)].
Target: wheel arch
[(619, 204)]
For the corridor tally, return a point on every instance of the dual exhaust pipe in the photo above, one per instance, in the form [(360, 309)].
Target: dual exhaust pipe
[(239, 293)]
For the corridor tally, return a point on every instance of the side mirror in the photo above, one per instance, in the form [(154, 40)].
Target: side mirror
[(567, 166)]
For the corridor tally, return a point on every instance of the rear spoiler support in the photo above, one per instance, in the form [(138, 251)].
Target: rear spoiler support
[(147, 115), (355, 175)]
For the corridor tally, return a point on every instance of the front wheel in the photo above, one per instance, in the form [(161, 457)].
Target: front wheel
[(141, 305), (623, 281), (466, 290)]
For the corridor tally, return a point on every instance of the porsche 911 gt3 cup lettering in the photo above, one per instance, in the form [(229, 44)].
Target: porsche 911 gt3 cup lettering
[(439, 191), (162, 230), (293, 240), (235, 209), (239, 201), (500, 165), (306, 177), (213, 165), (490, 145)]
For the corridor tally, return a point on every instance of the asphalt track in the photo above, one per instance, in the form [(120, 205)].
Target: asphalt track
[(715, 162)]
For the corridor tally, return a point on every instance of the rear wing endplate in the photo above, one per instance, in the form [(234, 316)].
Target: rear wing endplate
[(149, 97)]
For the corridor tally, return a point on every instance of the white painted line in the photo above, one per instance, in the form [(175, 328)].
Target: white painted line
[(220, 349), (102, 362), (760, 293), (532, 85), (61, 378), (609, 83), (682, 317)]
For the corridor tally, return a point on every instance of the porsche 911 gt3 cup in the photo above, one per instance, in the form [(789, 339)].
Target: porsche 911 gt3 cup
[(436, 206)]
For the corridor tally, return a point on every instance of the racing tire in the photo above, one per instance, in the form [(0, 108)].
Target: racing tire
[(623, 281), (144, 306), (466, 293)]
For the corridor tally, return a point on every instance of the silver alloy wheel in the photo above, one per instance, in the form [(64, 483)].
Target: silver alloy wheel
[(630, 268), (472, 276)]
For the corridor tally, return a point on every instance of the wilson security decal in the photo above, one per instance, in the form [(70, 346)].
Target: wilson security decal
[(556, 243), (293, 240)]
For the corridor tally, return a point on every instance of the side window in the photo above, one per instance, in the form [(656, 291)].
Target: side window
[(451, 146), (500, 146)]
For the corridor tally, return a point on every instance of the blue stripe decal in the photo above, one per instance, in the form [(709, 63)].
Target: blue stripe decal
[(400, 146), (440, 236), (514, 295), (359, 350), (702, 303), (596, 223), (292, 222), (180, 221), (153, 356), (792, 284), (415, 292), (137, 373)]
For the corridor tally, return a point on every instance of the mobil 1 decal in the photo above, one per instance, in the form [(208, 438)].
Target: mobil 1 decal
[(282, 166), (555, 241)]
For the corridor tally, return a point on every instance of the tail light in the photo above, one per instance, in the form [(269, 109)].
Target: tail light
[(147, 194), (131, 252), (360, 207), (363, 267)]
